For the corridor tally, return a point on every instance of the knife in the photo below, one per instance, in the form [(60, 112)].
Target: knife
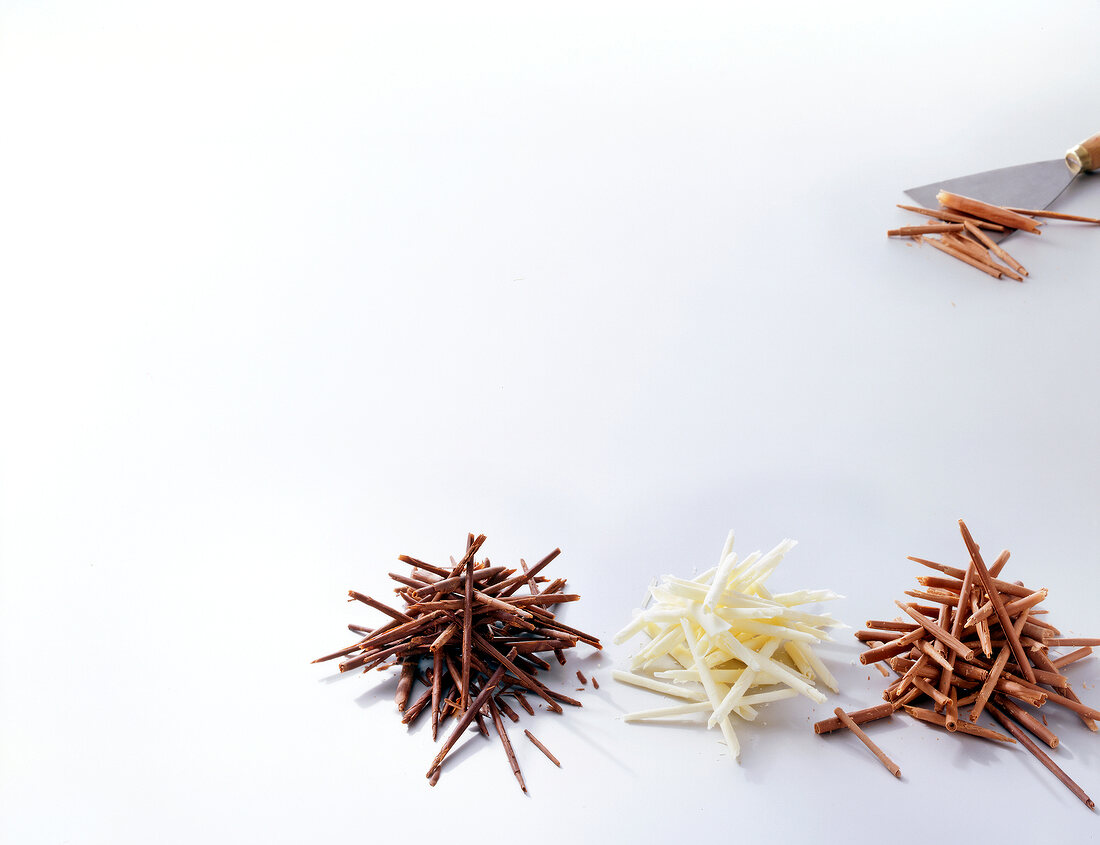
[(1031, 186)]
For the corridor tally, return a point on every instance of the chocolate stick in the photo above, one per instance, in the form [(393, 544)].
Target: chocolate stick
[(1053, 215), (491, 601), (516, 581), (902, 665), (564, 699), (1006, 587), (542, 748), (964, 590), (377, 605), (1027, 720), (467, 633), (437, 687), (919, 669), (408, 582), (1013, 608), (1033, 695), (341, 653), (905, 699), (935, 595), (999, 564), (938, 632), (547, 620), (934, 718), (555, 586), (987, 211), (954, 252), (1053, 679), (1073, 704), (877, 638), (942, 214), (989, 684), (891, 649), (882, 625), (467, 717), (529, 577), (1043, 659), (990, 587), (521, 676), (869, 714), (890, 765), (393, 631), (522, 699), (416, 708), (933, 693), (951, 712), (498, 723), (472, 545), (958, 623), (908, 231), (882, 669), (1072, 657), (419, 564), (1040, 755), (982, 625), (370, 659), (504, 708), (404, 685), (514, 603), (935, 656), (457, 582), (444, 637)]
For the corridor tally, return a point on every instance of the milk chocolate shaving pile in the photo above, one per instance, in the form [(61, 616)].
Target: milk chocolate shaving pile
[(979, 643)]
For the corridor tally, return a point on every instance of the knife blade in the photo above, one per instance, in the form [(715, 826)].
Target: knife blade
[(1035, 186)]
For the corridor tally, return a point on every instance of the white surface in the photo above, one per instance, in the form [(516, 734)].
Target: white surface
[(290, 291)]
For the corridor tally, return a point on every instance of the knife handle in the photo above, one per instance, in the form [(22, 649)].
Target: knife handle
[(1085, 156)]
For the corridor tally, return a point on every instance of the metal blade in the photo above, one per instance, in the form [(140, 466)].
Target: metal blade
[(1034, 185)]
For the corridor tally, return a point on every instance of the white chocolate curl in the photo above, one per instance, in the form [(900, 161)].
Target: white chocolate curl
[(722, 641)]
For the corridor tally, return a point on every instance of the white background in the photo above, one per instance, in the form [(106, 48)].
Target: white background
[(290, 289)]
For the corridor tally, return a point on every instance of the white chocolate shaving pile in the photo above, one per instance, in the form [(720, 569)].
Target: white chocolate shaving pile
[(735, 645)]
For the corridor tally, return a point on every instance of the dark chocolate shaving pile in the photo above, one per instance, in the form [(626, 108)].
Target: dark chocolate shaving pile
[(471, 635)]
